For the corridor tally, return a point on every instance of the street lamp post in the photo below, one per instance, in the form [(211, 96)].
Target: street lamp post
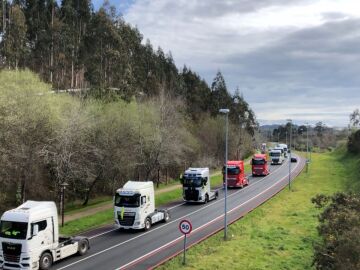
[(62, 201), (226, 112), (307, 147), (290, 135)]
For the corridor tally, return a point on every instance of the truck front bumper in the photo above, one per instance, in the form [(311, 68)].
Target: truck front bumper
[(24, 264), (136, 226)]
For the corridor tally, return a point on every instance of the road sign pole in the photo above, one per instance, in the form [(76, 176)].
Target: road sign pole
[(184, 257), (185, 228)]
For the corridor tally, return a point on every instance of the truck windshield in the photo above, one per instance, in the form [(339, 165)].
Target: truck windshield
[(192, 182), (275, 154), (232, 170), (14, 230), (258, 162), (127, 201)]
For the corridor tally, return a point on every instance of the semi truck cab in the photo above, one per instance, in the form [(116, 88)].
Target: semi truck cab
[(276, 156), (235, 174), (259, 165), (29, 237), (134, 206), (196, 185)]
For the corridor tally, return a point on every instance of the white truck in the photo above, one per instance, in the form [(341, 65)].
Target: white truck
[(134, 206), (196, 186), (276, 156), (29, 237), (284, 147)]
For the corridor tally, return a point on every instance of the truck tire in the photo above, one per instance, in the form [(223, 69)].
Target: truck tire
[(166, 217), (216, 194), (206, 198), (46, 261), (83, 247), (147, 224)]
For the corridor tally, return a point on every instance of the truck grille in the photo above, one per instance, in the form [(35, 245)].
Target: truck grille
[(276, 160), (191, 195), (11, 252), (231, 182), (127, 220)]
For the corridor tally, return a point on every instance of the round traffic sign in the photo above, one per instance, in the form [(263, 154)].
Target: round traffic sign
[(185, 226)]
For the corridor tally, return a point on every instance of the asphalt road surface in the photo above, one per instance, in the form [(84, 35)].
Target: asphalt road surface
[(113, 249)]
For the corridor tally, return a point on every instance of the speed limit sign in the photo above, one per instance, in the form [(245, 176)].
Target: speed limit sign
[(185, 227)]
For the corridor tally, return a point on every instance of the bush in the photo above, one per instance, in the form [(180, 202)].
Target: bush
[(340, 232), (354, 142)]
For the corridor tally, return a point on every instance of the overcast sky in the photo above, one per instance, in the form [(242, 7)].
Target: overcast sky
[(296, 59)]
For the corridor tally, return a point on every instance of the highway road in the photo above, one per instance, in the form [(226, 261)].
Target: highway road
[(113, 249)]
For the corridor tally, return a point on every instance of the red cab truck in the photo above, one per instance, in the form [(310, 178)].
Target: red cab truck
[(236, 174), (259, 165)]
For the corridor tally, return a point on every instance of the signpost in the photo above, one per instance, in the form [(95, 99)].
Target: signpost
[(185, 228)]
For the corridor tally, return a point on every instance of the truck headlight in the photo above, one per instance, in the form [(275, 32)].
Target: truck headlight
[(137, 223)]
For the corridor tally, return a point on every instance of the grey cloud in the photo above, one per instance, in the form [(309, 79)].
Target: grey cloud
[(216, 8)]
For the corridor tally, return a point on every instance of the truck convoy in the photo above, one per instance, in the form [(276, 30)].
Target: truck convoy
[(235, 174), (29, 237), (276, 156), (134, 206), (196, 186), (259, 165)]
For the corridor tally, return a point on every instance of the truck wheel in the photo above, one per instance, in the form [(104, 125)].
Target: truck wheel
[(216, 195), (147, 224), (166, 217), (206, 199), (83, 247), (46, 261)]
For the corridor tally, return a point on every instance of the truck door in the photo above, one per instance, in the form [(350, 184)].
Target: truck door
[(145, 205), (40, 235)]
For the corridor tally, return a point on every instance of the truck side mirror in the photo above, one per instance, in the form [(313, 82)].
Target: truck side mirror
[(35, 230), (204, 180)]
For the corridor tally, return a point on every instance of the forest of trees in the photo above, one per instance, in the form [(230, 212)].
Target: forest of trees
[(133, 115)]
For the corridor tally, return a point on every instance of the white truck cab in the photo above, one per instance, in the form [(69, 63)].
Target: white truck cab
[(196, 186), (29, 237), (134, 206), (276, 156), (284, 147)]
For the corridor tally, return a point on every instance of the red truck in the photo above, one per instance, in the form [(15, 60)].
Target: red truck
[(259, 165), (236, 174)]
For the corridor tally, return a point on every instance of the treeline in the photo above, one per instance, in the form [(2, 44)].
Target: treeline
[(320, 136), (96, 145), (73, 46), (133, 115)]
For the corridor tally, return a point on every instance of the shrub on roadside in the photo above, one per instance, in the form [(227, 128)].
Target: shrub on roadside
[(340, 232)]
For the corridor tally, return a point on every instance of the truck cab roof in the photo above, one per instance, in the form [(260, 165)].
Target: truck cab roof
[(198, 171), (31, 211), (259, 156), (235, 162), (136, 186)]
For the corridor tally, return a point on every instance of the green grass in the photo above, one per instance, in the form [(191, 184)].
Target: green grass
[(279, 234), (76, 206)]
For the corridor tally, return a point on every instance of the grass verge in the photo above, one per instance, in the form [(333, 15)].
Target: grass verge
[(280, 233)]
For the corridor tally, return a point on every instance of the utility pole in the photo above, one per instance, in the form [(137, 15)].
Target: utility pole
[(307, 147), (290, 121), (226, 112)]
